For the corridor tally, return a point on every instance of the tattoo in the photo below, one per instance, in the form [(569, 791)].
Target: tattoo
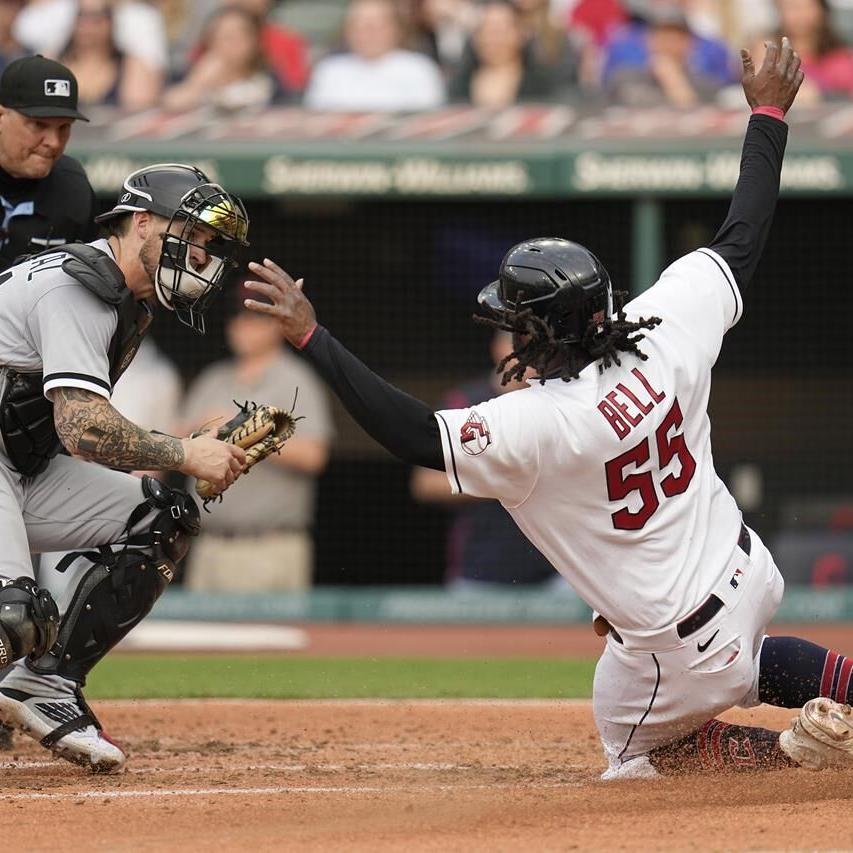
[(90, 440), (79, 395), (88, 426)]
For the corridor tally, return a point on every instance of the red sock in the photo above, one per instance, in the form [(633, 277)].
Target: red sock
[(721, 747)]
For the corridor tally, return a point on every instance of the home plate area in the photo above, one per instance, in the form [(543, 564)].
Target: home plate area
[(386, 775)]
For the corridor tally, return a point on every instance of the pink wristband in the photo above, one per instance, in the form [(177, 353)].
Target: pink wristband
[(773, 112), (308, 335)]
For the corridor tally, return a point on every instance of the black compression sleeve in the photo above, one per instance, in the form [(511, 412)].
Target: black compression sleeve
[(403, 425), (741, 239)]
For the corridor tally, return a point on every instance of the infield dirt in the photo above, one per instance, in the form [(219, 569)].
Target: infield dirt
[(401, 775), (462, 775)]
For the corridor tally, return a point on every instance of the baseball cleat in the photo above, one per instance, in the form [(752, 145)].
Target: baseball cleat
[(63, 724), (821, 736)]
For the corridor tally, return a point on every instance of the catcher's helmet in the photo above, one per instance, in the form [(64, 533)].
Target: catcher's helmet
[(560, 281), (187, 198)]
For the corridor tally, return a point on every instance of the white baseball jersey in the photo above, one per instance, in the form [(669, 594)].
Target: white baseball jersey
[(611, 475), (51, 324)]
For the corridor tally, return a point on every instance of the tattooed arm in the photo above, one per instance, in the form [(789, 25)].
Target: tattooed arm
[(88, 426)]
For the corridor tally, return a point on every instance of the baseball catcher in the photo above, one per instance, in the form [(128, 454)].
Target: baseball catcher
[(71, 320)]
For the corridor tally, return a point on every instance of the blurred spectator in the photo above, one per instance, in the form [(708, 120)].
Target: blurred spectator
[(657, 60), (826, 60), (104, 74), (259, 538), (230, 72), (733, 21), (594, 22), (484, 544), (286, 52), (183, 22), (375, 73), (502, 69), (139, 34), (444, 27), (598, 19), (550, 45), (9, 47)]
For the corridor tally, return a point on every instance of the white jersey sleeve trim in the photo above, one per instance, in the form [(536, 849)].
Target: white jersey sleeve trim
[(730, 280), (449, 458), (77, 380)]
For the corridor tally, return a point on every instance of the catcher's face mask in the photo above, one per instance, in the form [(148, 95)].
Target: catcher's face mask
[(210, 224)]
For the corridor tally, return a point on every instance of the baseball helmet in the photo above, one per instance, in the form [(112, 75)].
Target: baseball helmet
[(560, 281), (188, 199)]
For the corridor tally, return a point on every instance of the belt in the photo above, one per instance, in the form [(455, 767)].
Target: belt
[(706, 611)]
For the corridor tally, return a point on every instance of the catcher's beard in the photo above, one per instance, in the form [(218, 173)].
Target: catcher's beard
[(149, 255)]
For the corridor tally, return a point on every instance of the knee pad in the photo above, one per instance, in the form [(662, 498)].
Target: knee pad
[(167, 535), (29, 620), (120, 589)]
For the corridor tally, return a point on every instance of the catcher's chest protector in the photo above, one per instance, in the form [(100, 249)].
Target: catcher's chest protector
[(26, 415)]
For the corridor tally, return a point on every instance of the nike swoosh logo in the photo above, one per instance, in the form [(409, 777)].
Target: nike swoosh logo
[(702, 647)]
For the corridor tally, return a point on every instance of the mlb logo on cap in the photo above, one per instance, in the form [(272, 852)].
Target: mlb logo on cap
[(40, 88), (57, 88)]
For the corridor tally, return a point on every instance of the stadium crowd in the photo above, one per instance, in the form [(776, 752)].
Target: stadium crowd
[(406, 55)]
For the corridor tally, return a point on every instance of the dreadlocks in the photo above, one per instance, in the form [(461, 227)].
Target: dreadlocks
[(543, 351)]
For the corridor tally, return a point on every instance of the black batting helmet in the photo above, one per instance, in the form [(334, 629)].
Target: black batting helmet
[(188, 199), (560, 281)]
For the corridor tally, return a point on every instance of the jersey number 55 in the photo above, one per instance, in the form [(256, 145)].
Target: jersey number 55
[(620, 484)]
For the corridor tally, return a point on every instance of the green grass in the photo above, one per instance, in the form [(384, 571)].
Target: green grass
[(244, 676)]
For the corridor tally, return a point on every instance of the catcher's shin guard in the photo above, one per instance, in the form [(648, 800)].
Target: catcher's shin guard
[(120, 589), (29, 620)]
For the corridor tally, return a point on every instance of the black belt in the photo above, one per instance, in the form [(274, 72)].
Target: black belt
[(700, 617)]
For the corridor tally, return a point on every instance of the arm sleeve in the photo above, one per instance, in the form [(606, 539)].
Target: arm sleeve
[(71, 329), (741, 239), (404, 426)]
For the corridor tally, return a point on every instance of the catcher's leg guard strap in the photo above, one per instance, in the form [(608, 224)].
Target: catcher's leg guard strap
[(29, 620), (111, 599), (178, 518)]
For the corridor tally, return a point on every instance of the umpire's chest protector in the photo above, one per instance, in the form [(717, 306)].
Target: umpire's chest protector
[(26, 415)]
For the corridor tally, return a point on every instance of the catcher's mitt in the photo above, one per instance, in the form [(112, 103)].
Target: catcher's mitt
[(259, 430)]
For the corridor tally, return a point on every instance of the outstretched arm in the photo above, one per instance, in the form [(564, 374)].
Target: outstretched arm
[(403, 425), (770, 92)]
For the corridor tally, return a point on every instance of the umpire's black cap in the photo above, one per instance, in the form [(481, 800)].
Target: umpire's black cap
[(40, 88)]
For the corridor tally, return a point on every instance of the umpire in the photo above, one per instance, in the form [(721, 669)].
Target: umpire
[(47, 198)]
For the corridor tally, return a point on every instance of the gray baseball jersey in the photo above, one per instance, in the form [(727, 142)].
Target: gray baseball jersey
[(52, 325)]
